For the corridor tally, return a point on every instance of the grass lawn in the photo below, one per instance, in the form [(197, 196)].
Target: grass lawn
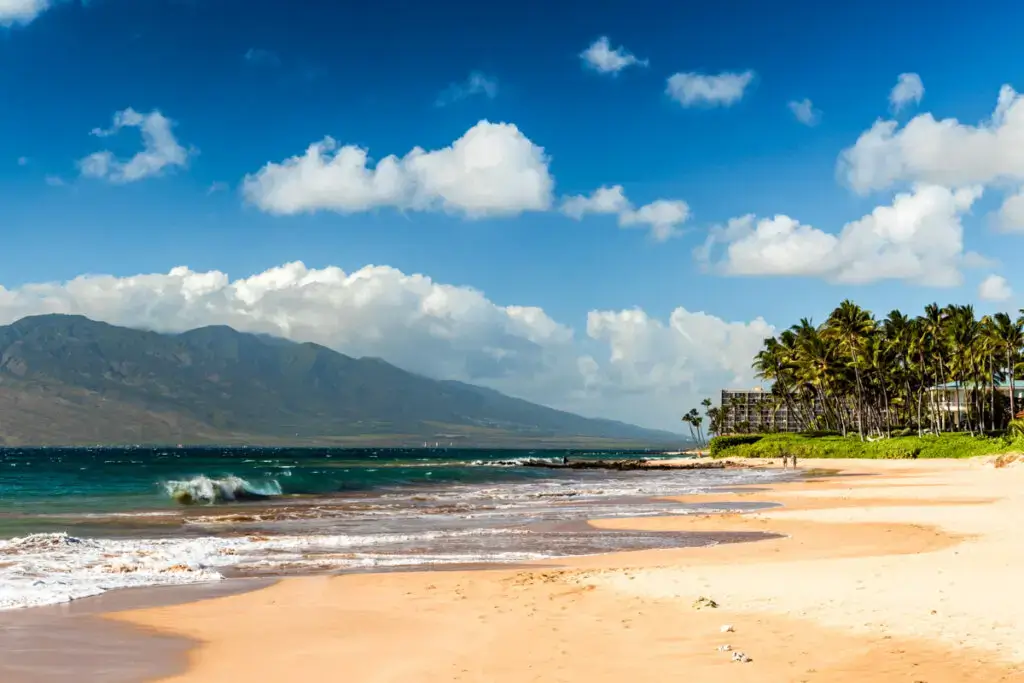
[(943, 446)]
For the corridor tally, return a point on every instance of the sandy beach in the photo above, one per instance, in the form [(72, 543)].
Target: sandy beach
[(885, 571)]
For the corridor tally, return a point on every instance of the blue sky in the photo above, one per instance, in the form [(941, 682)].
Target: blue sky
[(248, 84)]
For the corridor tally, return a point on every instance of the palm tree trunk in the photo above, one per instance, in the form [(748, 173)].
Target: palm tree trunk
[(921, 399), (860, 401), (1009, 366), (887, 422), (992, 394), (957, 384), (921, 393)]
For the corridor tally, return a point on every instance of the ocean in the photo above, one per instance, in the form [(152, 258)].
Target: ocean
[(77, 522)]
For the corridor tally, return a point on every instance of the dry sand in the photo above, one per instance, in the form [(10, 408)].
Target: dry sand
[(910, 573)]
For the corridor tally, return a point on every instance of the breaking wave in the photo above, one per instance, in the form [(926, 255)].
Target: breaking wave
[(514, 462), (229, 489)]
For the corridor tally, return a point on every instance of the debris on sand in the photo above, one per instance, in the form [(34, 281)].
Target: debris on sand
[(740, 657), (702, 602), (727, 629), (724, 648)]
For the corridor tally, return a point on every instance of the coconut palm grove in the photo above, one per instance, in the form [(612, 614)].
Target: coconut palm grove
[(943, 371)]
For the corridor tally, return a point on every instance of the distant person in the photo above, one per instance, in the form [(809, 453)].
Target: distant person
[(794, 460), (565, 459), (785, 460)]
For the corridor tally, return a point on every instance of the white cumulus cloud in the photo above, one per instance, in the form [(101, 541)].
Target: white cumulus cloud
[(603, 200), (994, 288), (21, 11), (721, 90), (908, 88), (943, 152), (805, 112), (650, 357), (160, 149), (1011, 214), (919, 238), (662, 216), (492, 170), (602, 58), (625, 365)]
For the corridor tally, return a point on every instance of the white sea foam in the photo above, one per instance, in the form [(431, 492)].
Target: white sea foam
[(53, 568), (46, 569)]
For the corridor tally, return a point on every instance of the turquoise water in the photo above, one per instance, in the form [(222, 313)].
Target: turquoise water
[(79, 522), (54, 480)]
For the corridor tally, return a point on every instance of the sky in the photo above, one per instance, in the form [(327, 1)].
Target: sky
[(604, 211)]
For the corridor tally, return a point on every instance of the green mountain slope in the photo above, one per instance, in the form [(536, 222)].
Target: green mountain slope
[(68, 379)]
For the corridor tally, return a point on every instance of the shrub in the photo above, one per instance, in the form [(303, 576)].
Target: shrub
[(948, 445), (720, 443), (819, 433), (898, 449)]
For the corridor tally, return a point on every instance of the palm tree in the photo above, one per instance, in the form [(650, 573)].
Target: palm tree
[(934, 328), (688, 419), (897, 372), (770, 364), (714, 420), (1008, 337), (706, 404), (915, 347), (851, 326)]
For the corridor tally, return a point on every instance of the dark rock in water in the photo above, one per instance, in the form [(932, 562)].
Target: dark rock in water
[(635, 464), (183, 497)]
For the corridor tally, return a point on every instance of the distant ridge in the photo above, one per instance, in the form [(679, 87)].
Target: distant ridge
[(69, 380)]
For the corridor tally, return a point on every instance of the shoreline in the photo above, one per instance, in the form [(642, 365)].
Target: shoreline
[(609, 617), (88, 643), (564, 619), (134, 653)]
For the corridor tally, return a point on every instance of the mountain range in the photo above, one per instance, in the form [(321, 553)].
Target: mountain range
[(69, 380)]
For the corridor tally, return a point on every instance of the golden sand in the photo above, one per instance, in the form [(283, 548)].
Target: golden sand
[(908, 574)]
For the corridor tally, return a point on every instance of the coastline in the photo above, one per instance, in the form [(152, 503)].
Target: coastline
[(73, 641), (887, 571)]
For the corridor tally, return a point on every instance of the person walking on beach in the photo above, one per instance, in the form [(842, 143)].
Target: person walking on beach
[(785, 460)]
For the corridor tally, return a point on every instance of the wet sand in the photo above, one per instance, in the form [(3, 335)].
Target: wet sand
[(905, 574), (71, 643)]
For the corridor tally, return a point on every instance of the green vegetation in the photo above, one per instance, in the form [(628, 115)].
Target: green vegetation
[(927, 446), (901, 387), (856, 374), (720, 444), (934, 373)]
